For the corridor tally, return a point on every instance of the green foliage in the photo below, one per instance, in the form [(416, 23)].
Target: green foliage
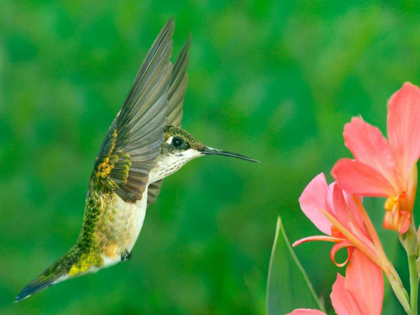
[(273, 80), (288, 285)]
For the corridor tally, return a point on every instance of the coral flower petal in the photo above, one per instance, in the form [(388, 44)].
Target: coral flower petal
[(361, 179), (341, 299), (305, 311), (346, 214), (404, 127), (354, 212), (365, 282), (339, 246), (370, 147), (313, 200), (340, 207), (318, 238), (397, 220)]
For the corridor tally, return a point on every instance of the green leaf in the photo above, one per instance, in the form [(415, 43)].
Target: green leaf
[(288, 286)]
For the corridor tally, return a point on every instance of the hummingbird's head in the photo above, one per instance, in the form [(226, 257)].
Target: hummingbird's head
[(180, 147), (180, 143)]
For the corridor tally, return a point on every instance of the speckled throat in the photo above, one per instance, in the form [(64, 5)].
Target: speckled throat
[(168, 163)]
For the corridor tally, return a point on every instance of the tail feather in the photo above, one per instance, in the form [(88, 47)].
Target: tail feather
[(56, 273), (72, 264), (48, 278)]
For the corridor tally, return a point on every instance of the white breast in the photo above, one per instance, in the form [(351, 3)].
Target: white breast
[(141, 206), (128, 221)]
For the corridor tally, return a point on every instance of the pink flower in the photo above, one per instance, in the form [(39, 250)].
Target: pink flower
[(343, 219), (385, 168), (361, 292)]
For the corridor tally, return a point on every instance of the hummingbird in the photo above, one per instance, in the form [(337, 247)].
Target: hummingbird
[(144, 144)]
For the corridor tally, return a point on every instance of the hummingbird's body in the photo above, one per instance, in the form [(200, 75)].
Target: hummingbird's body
[(144, 144)]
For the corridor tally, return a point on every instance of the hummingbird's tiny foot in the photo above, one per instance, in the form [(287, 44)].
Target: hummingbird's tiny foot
[(126, 255)]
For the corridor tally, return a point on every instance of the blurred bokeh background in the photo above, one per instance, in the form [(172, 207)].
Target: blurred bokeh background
[(274, 80)]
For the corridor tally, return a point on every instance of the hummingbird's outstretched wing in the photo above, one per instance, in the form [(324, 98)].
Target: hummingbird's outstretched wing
[(177, 90), (134, 139)]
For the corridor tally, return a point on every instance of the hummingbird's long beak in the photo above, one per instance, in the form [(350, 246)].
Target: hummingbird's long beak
[(213, 151)]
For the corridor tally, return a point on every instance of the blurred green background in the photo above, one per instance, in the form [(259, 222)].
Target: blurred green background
[(274, 80)]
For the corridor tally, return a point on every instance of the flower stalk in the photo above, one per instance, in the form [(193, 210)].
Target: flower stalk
[(410, 244), (399, 291), (414, 283)]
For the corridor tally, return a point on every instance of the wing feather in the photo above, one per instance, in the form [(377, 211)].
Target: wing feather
[(178, 86), (133, 141)]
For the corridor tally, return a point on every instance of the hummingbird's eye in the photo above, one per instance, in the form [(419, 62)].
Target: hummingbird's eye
[(177, 142)]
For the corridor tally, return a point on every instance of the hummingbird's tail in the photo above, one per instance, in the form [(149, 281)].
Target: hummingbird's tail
[(52, 275), (75, 263), (61, 270)]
